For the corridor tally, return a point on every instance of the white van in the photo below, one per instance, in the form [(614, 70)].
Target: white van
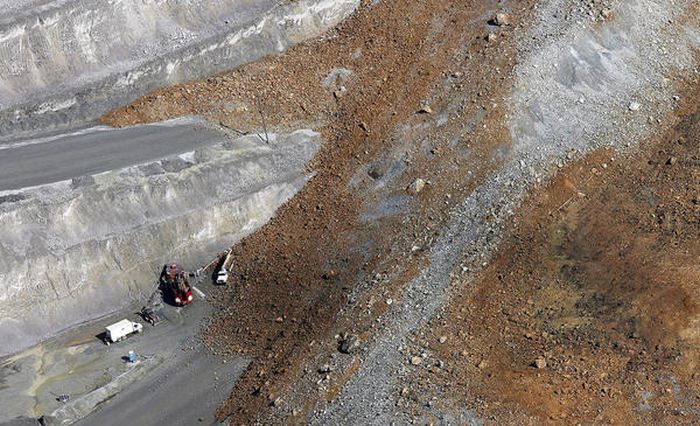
[(119, 330)]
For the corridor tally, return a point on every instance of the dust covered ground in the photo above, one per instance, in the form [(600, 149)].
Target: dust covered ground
[(412, 279)]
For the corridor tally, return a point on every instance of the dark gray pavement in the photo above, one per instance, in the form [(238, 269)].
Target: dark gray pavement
[(98, 150), (186, 391), (181, 382)]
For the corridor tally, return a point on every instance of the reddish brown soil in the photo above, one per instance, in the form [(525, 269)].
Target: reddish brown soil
[(294, 275), (601, 281), (603, 286)]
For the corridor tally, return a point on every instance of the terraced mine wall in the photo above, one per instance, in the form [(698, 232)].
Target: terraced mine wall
[(75, 250), (64, 62)]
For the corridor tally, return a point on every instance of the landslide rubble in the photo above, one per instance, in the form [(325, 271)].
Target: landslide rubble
[(420, 259)]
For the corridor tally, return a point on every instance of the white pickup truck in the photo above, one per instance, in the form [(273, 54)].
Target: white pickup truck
[(120, 330), (222, 276)]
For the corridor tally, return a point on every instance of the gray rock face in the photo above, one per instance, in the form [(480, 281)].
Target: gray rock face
[(63, 62), (70, 253)]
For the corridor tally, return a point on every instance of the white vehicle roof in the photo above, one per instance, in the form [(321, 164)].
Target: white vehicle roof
[(125, 323)]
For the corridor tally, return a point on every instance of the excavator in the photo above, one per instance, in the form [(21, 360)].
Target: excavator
[(175, 283)]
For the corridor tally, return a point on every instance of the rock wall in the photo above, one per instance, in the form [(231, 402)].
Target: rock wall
[(64, 62), (73, 251)]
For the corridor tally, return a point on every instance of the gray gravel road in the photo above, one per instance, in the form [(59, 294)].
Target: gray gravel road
[(187, 392), (186, 388), (98, 150)]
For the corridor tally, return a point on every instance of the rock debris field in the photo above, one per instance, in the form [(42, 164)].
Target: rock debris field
[(493, 216)]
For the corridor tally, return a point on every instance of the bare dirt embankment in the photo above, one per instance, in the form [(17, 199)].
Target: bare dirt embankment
[(361, 260), (590, 311), (355, 220)]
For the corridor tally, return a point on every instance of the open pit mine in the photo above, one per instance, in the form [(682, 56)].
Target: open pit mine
[(349, 212)]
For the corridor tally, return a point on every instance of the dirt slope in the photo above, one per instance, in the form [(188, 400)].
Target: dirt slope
[(294, 276), (414, 93), (599, 285)]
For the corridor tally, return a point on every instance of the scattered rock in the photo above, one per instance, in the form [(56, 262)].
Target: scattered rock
[(671, 161), (375, 173), (502, 19), (634, 106), (340, 92), (274, 400), (416, 360), (443, 339), (482, 364), (279, 319), (174, 165), (417, 186), (82, 181), (337, 77), (12, 198), (348, 344), (364, 126), (539, 362), (325, 369), (425, 109)]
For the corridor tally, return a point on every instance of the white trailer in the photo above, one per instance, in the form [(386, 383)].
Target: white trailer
[(119, 330), (222, 276)]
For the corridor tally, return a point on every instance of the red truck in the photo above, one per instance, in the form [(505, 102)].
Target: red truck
[(175, 282)]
